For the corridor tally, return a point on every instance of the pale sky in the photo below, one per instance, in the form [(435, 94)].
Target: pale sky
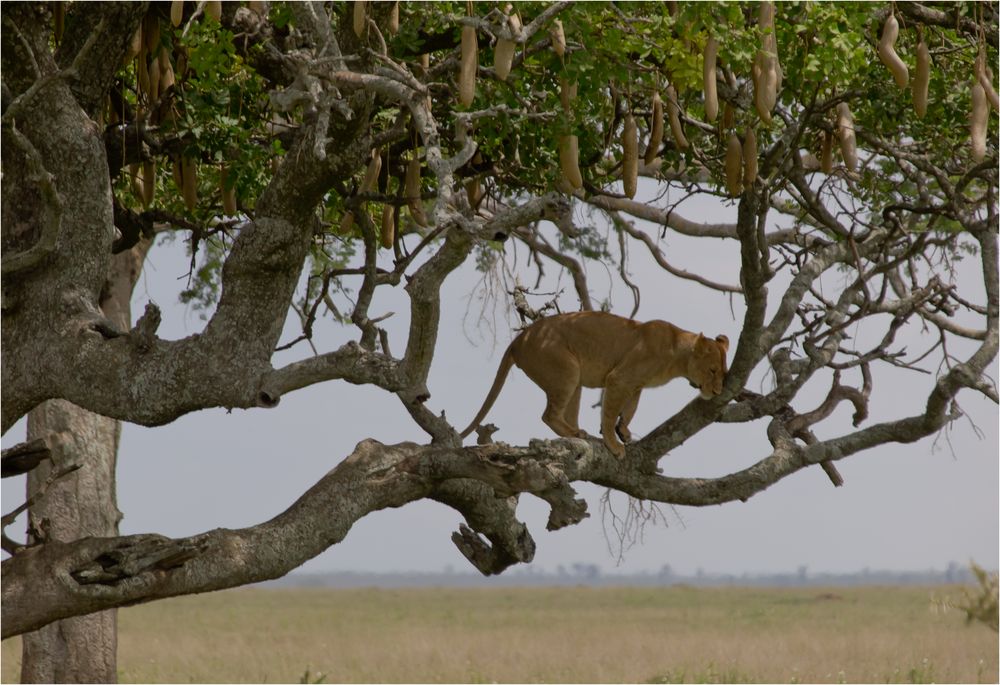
[(903, 507)]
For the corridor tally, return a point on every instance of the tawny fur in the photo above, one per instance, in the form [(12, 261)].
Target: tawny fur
[(562, 354)]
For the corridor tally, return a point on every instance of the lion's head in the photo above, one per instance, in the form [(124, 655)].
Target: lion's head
[(707, 365)]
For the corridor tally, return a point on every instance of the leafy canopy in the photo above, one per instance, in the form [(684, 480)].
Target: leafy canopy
[(618, 56)]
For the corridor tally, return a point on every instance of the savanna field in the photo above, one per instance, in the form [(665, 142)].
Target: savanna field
[(642, 635)]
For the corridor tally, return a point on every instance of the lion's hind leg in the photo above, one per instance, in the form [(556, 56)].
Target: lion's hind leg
[(558, 375), (572, 413), (557, 411)]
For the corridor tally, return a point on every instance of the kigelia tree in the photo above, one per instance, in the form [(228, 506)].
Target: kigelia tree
[(857, 140)]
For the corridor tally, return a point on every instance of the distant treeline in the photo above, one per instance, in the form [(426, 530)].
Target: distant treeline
[(591, 575)]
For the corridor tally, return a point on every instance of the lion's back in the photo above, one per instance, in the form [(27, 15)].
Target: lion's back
[(598, 341)]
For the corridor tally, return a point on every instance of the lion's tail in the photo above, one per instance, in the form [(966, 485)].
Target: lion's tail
[(506, 362)]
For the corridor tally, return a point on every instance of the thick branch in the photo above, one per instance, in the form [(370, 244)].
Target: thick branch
[(925, 15), (56, 580), (753, 278), (663, 217), (351, 363), (224, 365), (95, 45)]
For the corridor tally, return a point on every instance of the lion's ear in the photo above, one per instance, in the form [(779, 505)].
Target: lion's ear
[(724, 341)]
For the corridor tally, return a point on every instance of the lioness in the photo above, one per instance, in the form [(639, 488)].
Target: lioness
[(564, 353)]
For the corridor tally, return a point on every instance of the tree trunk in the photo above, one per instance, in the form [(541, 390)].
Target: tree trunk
[(80, 649), (83, 503)]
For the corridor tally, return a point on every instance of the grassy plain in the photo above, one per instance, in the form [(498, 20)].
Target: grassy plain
[(643, 635)]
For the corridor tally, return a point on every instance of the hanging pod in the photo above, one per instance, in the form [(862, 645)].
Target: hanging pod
[(189, 182), (176, 12), (655, 131), (569, 161), (985, 77), (848, 141), (503, 52), (388, 233), (468, 66), (372, 172), (630, 156), (766, 70), (228, 192), (360, 20), (392, 25), (708, 75), (826, 153), (136, 182), (978, 119), (673, 114), (921, 79), (887, 52), (503, 57), (213, 10), (558, 38), (734, 165), (411, 190), (166, 71)]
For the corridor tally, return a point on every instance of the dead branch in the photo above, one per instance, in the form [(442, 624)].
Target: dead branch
[(539, 245), (23, 457), (9, 545), (622, 225)]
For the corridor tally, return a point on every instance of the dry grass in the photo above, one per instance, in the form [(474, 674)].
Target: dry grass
[(552, 635)]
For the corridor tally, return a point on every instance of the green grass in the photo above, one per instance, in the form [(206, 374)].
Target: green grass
[(646, 635)]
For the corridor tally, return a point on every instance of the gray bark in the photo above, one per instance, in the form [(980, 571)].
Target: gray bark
[(81, 649)]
